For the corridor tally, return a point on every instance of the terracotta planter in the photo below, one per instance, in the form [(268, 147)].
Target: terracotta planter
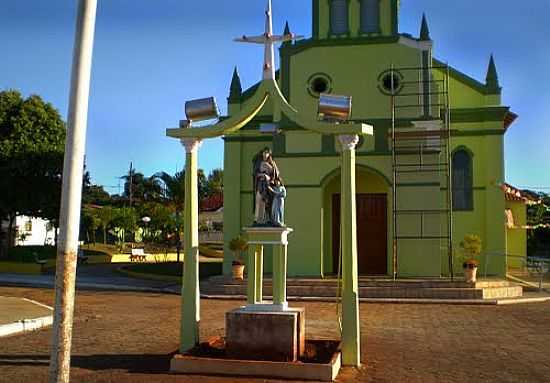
[(470, 274), (238, 272)]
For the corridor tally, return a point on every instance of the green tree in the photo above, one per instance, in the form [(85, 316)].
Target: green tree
[(95, 195), (32, 137), (124, 222), (214, 182), (138, 188), (105, 216), (162, 220), (90, 223), (173, 193), (202, 182), (538, 218)]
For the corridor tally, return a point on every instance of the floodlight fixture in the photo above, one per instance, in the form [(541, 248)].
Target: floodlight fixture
[(201, 110), (334, 108)]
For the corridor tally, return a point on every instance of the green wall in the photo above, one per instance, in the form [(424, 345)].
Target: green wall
[(516, 237)]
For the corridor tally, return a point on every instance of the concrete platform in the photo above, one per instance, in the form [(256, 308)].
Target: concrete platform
[(20, 314), (303, 370)]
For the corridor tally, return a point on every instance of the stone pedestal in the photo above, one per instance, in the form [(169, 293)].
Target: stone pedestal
[(262, 332), (266, 330)]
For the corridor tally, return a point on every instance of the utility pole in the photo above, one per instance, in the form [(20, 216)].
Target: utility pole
[(71, 196), (130, 185)]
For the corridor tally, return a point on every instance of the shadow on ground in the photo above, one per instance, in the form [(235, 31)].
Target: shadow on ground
[(147, 363)]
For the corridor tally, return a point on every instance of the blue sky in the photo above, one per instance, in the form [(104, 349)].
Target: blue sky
[(152, 55)]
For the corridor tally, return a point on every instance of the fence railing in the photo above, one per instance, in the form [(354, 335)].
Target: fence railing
[(211, 236), (530, 269)]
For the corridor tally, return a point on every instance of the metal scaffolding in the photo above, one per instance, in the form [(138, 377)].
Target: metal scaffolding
[(421, 148)]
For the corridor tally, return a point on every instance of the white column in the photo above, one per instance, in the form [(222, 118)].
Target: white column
[(71, 195), (190, 315), (351, 337)]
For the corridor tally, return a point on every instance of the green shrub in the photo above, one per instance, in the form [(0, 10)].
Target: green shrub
[(29, 254)]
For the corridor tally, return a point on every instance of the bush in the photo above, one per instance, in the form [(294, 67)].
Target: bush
[(29, 254), (471, 249)]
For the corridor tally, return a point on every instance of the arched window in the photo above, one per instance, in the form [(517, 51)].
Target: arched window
[(463, 196), (370, 16), (339, 17)]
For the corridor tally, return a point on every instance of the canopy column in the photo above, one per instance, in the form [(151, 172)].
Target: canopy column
[(190, 305), (351, 353)]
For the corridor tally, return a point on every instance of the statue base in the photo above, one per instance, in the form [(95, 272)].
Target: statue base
[(257, 333)]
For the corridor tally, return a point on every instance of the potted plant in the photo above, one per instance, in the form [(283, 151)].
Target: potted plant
[(471, 249), (238, 245)]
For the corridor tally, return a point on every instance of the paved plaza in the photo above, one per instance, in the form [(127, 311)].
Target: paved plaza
[(129, 337)]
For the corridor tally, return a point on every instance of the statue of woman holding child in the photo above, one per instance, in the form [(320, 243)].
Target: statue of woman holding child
[(269, 191)]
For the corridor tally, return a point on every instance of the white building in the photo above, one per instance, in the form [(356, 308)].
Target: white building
[(31, 231)]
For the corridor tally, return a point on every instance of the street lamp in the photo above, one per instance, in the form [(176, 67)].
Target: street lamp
[(334, 108), (145, 221)]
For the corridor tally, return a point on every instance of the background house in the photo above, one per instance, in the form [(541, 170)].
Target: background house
[(30, 231)]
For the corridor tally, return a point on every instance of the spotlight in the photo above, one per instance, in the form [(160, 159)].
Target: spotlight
[(333, 108), (201, 110)]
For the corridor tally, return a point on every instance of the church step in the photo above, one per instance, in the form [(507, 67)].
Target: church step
[(497, 292), (384, 283)]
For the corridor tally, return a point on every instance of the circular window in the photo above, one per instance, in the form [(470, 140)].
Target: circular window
[(391, 82), (319, 83)]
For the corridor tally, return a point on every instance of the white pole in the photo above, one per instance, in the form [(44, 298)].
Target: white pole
[(71, 195)]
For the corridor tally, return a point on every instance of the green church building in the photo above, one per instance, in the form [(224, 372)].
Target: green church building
[(432, 172)]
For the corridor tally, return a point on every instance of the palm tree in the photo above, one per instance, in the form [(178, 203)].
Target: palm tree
[(105, 217), (174, 192)]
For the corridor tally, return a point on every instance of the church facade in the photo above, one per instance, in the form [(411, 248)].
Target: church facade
[(432, 172)]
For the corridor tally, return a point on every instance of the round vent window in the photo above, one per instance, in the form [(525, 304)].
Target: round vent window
[(319, 83), (390, 82)]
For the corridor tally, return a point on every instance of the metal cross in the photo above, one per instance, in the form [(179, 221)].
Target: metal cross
[(268, 39)]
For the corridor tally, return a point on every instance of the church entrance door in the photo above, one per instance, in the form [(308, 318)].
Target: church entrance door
[(372, 234)]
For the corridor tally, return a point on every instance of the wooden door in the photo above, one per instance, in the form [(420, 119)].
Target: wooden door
[(372, 234)]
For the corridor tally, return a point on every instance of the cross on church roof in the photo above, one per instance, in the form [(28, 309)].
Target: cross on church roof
[(268, 39)]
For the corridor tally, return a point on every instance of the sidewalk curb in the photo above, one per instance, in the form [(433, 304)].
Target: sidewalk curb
[(26, 325), (154, 277), (94, 287)]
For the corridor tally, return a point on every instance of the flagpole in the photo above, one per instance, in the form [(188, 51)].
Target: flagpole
[(73, 168)]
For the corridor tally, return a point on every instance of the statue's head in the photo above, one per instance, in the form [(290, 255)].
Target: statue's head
[(266, 154)]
